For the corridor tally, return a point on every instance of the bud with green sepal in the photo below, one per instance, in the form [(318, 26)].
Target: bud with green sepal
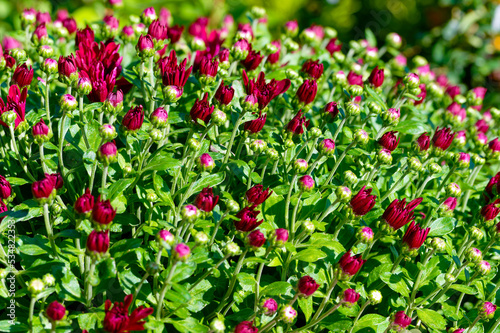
[(300, 165), (361, 137), (352, 109), (232, 249), (438, 244), (474, 255), (258, 146), (350, 178), (384, 156), (453, 190), (414, 164)]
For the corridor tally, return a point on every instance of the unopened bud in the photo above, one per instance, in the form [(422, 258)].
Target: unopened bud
[(350, 178), (375, 297), (343, 193)]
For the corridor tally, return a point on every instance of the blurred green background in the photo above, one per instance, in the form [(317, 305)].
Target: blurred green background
[(455, 33)]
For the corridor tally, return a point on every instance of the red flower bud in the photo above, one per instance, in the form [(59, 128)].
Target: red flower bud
[(490, 211), (401, 319), (354, 79), (248, 219), (201, 110), (376, 78), (363, 202), (246, 327), (85, 203), (256, 125), (133, 119), (350, 264), (297, 124), (102, 212), (415, 236), (307, 92), (389, 140), (443, 138), (206, 200), (350, 297), (423, 142), (117, 318), (98, 242), (43, 189), (256, 194), (55, 311), (5, 188), (398, 213), (256, 239), (307, 286), (252, 61), (56, 179), (224, 94), (22, 76), (331, 109), (313, 69)]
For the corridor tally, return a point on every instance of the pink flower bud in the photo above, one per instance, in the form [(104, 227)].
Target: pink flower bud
[(55, 311), (246, 327), (443, 138), (331, 109), (256, 239), (281, 236), (389, 140), (133, 119), (306, 183), (313, 69), (206, 201), (205, 162), (43, 189), (181, 252), (165, 236), (401, 320), (5, 188), (85, 203), (108, 153), (269, 306), (159, 117), (363, 202), (376, 78), (350, 297)]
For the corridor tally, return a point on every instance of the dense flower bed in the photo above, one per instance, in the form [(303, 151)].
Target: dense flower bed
[(168, 178)]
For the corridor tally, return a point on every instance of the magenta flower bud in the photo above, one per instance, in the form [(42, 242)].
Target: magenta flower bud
[(306, 183), (108, 153), (248, 219), (111, 23), (484, 267), (181, 252), (487, 310), (415, 236), (189, 213), (463, 160), (333, 46), (41, 132), (22, 76), (114, 102), (461, 138), (5, 188), (174, 33), (201, 110), (450, 203), (205, 162), (98, 242), (280, 236), (490, 211), (55, 311), (240, 49), (398, 213), (363, 202), (365, 235), (43, 17), (350, 265), (57, 179), (223, 57), (297, 124), (70, 25), (149, 15), (67, 68), (307, 92), (354, 79), (128, 33), (85, 203), (85, 36), (159, 118), (224, 94), (256, 195), (423, 142), (331, 109), (453, 91), (313, 69), (327, 147), (494, 146), (269, 306), (84, 86), (376, 78), (273, 58), (349, 297), (252, 61), (49, 65), (207, 69), (458, 113), (206, 200), (307, 286), (145, 46), (133, 119), (412, 80), (68, 103), (28, 16), (43, 190), (40, 35), (482, 126), (493, 187), (474, 255), (401, 320), (291, 28), (460, 330), (389, 140), (256, 125), (157, 30), (391, 116), (256, 239), (443, 138), (165, 237), (246, 327), (102, 212)]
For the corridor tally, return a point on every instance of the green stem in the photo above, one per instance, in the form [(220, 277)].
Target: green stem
[(294, 216), (82, 120), (19, 157), (31, 311), (416, 285), (138, 289), (212, 239), (422, 187), (325, 299), (47, 95), (48, 228), (495, 326), (164, 289), (233, 135), (339, 227), (341, 125), (61, 143), (208, 272), (394, 186), (42, 158), (363, 307), (232, 282), (287, 202), (103, 182), (335, 167), (328, 211), (88, 283), (473, 324), (396, 263)]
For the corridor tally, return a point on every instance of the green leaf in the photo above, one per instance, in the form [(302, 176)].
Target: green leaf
[(464, 289), (375, 96), (411, 127), (87, 321), (306, 305), (310, 255), (119, 187), (442, 226), (6, 326), (371, 320), (396, 282), (161, 162), (432, 319), (276, 288), (32, 250), (17, 181), (188, 325), (208, 181)]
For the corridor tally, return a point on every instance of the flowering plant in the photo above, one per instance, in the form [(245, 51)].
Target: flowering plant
[(167, 178)]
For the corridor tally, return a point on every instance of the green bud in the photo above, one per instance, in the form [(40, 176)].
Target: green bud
[(219, 117), (419, 61), (415, 164), (217, 325), (152, 197), (232, 206), (201, 238), (156, 135), (258, 146), (152, 268), (308, 226), (384, 156), (315, 132), (289, 143), (474, 255), (55, 209), (476, 234), (438, 244), (36, 286), (375, 297), (352, 109), (453, 190), (49, 280), (350, 178), (374, 107), (450, 278), (355, 90), (194, 144), (300, 165), (478, 160), (435, 168), (232, 249), (272, 154), (361, 137)]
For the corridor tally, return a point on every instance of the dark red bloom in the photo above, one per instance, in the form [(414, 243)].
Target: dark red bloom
[(42, 189), (493, 187), (224, 94), (85, 203), (206, 200), (354, 79), (16, 101), (66, 66), (332, 109), (84, 36), (103, 212), (145, 43), (256, 239), (389, 140), (363, 202), (296, 125), (256, 125), (157, 30), (264, 92), (415, 236), (70, 25), (313, 69), (5, 188), (490, 211), (423, 142), (55, 311), (252, 61), (350, 296), (401, 319), (208, 67), (22, 76), (257, 195), (3, 209), (333, 46), (40, 129), (398, 213), (174, 33), (246, 327), (98, 242), (376, 78), (118, 320), (351, 264), (133, 118), (307, 286), (248, 219), (174, 74), (201, 110), (443, 138), (307, 91), (56, 179)]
